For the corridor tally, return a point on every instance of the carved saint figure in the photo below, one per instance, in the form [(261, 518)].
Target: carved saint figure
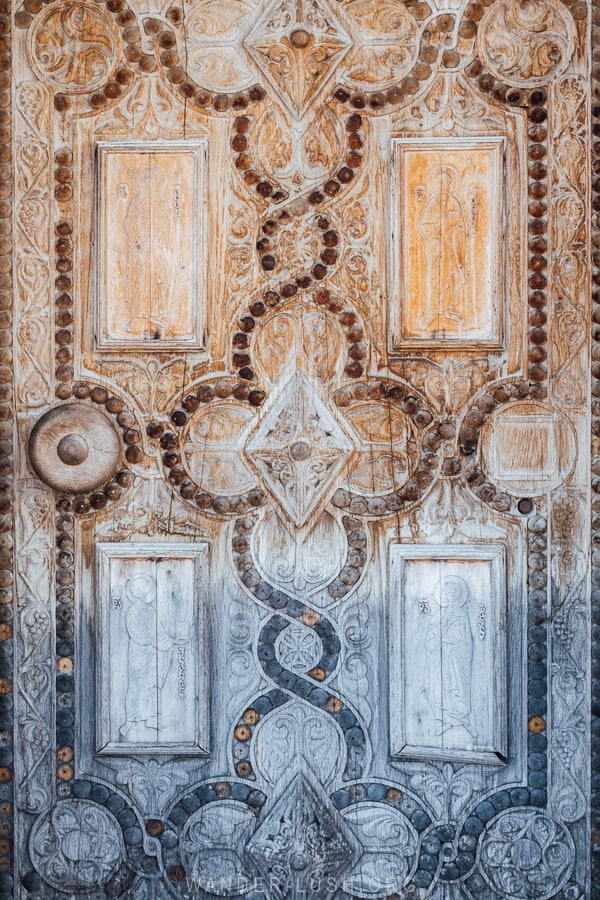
[(154, 635), (443, 227), (449, 644)]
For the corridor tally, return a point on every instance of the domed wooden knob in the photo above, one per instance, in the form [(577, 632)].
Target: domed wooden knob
[(74, 448)]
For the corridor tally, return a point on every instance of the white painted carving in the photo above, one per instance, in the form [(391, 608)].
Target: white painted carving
[(447, 683), (297, 46), (299, 448), (149, 598)]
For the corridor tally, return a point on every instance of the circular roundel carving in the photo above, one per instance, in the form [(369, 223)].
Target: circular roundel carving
[(75, 46), (74, 448), (527, 448), (526, 42), (526, 855), (76, 847)]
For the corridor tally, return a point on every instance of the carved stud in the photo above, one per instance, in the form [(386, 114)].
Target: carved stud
[(74, 448), (299, 38)]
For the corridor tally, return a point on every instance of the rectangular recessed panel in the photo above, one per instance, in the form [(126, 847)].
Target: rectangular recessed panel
[(447, 660), (151, 664), (446, 264), (150, 245)]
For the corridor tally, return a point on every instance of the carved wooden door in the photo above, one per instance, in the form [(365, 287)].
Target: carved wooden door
[(301, 460)]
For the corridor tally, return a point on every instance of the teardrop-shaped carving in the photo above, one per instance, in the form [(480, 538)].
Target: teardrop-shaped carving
[(272, 142), (295, 561), (274, 346), (322, 144)]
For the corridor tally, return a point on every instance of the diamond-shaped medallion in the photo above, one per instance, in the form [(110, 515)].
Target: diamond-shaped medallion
[(302, 845), (299, 449), (297, 45)]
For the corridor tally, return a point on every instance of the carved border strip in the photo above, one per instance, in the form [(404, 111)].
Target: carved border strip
[(595, 410), (6, 460)]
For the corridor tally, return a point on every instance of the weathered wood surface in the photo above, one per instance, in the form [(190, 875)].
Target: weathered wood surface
[(301, 299)]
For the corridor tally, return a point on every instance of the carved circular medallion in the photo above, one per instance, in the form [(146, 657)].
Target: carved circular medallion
[(526, 855), (526, 42), (74, 448), (76, 847), (75, 46)]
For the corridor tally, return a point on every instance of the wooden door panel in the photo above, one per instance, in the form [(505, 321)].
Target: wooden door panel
[(300, 400)]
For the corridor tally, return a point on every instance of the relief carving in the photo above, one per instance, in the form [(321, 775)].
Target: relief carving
[(447, 261), (526, 42), (298, 449), (297, 46), (302, 844), (77, 846), (75, 46), (526, 854), (452, 706), (388, 44), (278, 408), (32, 180), (152, 625)]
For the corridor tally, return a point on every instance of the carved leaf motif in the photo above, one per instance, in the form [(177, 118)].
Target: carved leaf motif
[(211, 847), (387, 18), (526, 854), (298, 72), (219, 19), (323, 142), (571, 155), (294, 731), (389, 845), (323, 344), (76, 846), (275, 345), (219, 69), (272, 142), (153, 784), (292, 559), (210, 453), (381, 67)]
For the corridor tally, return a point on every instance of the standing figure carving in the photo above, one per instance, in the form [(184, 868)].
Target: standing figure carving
[(149, 635), (450, 639), (444, 230)]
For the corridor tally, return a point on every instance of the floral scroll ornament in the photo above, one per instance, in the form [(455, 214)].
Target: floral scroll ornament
[(76, 847), (526, 854), (75, 46), (526, 42)]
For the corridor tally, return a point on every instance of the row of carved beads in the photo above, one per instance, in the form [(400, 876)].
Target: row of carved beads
[(65, 636), (63, 264)]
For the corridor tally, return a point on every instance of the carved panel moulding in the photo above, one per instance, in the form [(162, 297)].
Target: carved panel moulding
[(151, 245), (152, 667), (450, 703), (447, 266)]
